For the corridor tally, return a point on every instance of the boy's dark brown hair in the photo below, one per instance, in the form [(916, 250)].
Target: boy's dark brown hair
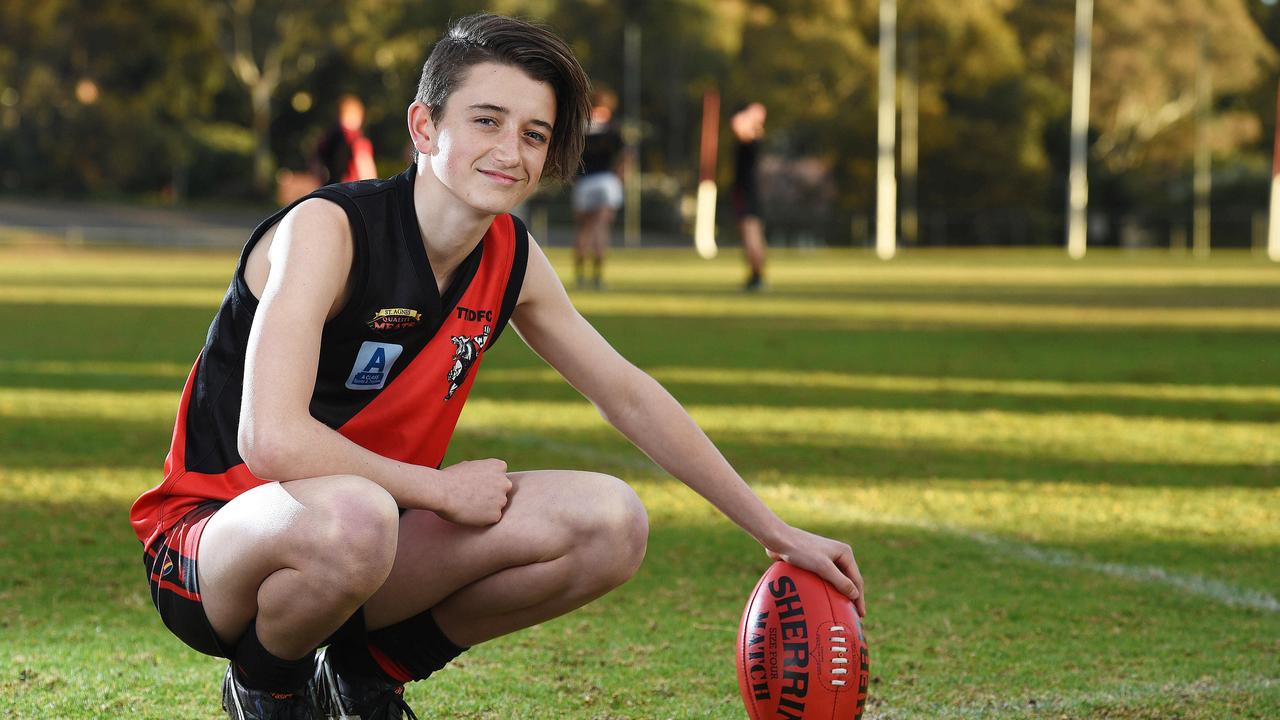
[(532, 48)]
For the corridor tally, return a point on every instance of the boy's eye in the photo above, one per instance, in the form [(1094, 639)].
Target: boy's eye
[(486, 121), (536, 136)]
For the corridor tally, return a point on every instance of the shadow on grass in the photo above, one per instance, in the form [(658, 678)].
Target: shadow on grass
[(605, 451), (1162, 355), (32, 333), (951, 400), (122, 280), (77, 337), (59, 444), (91, 380)]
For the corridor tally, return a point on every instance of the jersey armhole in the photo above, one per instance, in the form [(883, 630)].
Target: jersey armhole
[(245, 297), (360, 255)]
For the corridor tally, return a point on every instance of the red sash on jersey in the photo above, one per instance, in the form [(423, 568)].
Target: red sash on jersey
[(411, 420)]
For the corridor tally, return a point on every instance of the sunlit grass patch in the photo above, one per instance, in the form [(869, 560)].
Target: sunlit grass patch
[(841, 269), (62, 276), (114, 486), (1064, 512), (73, 368), (850, 314), (762, 378), (150, 405), (113, 295), (54, 266), (1079, 437)]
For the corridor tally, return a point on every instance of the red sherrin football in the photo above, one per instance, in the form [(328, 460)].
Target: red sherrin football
[(801, 651)]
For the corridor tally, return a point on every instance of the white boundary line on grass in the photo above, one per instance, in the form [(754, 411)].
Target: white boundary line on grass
[(1204, 587), (1222, 592), (1049, 702)]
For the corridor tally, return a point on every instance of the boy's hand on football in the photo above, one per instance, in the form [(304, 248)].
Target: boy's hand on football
[(832, 560)]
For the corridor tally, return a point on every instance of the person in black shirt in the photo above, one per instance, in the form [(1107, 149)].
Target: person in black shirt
[(748, 132), (597, 192)]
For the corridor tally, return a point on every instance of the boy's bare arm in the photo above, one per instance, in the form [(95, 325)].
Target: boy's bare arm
[(651, 418)]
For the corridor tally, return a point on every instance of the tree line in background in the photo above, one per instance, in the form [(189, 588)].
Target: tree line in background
[(177, 100)]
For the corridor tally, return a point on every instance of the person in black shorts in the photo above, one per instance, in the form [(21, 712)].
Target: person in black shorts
[(597, 191), (305, 527), (748, 132)]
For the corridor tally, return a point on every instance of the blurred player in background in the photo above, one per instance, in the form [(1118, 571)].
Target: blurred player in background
[(344, 153), (597, 192), (748, 132)]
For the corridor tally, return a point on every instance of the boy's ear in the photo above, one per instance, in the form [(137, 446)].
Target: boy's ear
[(422, 131)]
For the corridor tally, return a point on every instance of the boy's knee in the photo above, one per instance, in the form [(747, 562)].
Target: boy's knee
[(356, 532), (633, 523), (622, 528)]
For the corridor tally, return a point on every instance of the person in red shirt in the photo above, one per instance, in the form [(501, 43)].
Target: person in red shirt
[(304, 504), (344, 154)]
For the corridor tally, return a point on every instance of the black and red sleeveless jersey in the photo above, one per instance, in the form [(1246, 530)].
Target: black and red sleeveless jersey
[(396, 363)]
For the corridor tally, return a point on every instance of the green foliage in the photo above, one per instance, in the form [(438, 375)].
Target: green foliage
[(1148, 56), (979, 115), (994, 92), (101, 98), (1060, 479)]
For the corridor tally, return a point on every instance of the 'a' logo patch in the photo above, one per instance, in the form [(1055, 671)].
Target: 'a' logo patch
[(373, 364)]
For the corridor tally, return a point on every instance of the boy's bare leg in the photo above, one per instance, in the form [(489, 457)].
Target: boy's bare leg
[(753, 243), (583, 244), (299, 556), (565, 539), (604, 221), (302, 556)]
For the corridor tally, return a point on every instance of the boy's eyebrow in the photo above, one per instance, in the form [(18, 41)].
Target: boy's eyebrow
[(504, 111)]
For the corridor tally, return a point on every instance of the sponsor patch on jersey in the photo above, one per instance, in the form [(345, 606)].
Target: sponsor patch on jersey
[(395, 319), (167, 566), (373, 365)]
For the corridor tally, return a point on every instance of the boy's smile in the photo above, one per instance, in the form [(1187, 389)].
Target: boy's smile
[(490, 146)]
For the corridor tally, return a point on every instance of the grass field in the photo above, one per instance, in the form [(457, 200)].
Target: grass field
[(1062, 481)]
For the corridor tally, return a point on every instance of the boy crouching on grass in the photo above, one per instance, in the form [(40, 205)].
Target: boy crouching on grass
[(303, 505)]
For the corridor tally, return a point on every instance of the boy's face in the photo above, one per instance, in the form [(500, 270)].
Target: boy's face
[(491, 144)]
